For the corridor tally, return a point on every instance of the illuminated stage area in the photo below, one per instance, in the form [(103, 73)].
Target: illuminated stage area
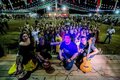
[(59, 39)]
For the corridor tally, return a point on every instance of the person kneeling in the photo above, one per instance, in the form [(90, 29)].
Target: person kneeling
[(68, 52)]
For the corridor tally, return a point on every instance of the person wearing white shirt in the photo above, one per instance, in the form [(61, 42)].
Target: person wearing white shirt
[(35, 33), (110, 31)]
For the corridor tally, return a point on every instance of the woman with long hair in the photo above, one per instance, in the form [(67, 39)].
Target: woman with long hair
[(25, 52)]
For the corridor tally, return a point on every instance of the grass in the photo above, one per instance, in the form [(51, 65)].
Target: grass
[(114, 47), (13, 35), (15, 24)]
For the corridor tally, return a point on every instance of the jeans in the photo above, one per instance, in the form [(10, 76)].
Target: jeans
[(109, 38), (67, 65)]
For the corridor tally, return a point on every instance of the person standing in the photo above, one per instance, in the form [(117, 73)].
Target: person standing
[(110, 31), (35, 34), (5, 22)]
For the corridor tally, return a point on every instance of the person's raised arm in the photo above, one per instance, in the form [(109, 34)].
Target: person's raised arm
[(60, 55)]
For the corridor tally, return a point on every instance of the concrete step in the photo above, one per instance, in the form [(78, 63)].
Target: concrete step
[(8, 78), (105, 67)]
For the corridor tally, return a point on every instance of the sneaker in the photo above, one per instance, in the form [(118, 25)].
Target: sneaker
[(22, 75)]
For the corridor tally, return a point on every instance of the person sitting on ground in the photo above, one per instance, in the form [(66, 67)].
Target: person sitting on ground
[(42, 51)]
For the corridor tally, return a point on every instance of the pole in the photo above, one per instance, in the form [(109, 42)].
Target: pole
[(11, 4), (56, 6), (115, 5), (25, 1), (0, 2)]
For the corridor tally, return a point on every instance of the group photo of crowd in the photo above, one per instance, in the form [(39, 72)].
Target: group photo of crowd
[(71, 39), (59, 39)]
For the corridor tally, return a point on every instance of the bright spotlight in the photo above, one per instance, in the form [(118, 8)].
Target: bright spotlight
[(55, 14), (48, 8), (49, 14), (33, 15), (97, 10), (42, 0), (64, 8), (89, 14), (117, 12)]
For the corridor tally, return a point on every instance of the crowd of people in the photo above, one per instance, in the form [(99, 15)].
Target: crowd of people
[(106, 19), (68, 40)]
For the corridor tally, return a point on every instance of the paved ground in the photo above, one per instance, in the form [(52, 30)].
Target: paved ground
[(105, 67)]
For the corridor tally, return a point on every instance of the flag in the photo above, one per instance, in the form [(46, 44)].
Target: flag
[(99, 2)]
